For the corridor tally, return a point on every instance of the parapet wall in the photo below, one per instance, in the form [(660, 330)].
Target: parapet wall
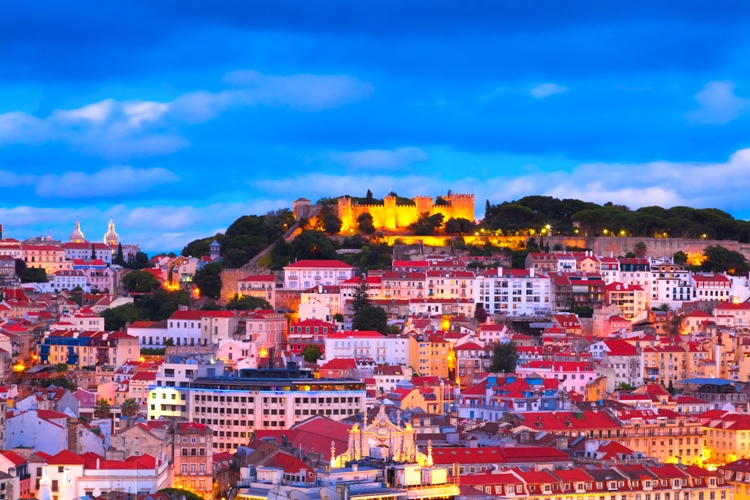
[(391, 216)]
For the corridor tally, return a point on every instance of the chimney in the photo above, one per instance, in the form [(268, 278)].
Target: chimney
[(531, 272), (97, 463)]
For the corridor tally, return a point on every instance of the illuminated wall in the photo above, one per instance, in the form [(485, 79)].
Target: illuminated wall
[(391, 216)]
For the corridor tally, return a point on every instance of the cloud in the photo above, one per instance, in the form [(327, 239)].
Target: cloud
[(111, 181), (718, 105), (154, 228), (136, 128), (547, 89), (656, 183), (380, 158)]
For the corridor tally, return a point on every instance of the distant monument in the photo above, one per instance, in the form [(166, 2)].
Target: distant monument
[(392, 216)]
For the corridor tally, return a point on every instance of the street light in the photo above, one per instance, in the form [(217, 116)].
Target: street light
[(605, 231)]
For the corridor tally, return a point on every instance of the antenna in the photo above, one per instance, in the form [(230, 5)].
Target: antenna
[(298, 495), (327, 493)]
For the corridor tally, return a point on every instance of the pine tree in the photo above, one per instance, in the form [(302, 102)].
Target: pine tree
[(93, 252), (368, 198), (487, 210), (120, 258), (360, 299)]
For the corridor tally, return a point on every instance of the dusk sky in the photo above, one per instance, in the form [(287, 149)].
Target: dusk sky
[(175, 118)]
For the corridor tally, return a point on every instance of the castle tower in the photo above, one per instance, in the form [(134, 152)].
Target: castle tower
[(424, 204), (344, 212), (462, 206), (391, 218), (111, 238), (301, 208)]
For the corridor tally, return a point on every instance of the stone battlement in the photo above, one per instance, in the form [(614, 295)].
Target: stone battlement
[(391, 216)]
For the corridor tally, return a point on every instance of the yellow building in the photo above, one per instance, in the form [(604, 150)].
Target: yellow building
[(726, 436), (737, 474), (432, 356)]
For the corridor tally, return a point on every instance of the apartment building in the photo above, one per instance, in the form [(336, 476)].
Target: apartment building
[(513, 292), (270, 399), (394, 350)]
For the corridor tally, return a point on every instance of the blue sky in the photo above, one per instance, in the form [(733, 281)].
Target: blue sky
[(175, 118)]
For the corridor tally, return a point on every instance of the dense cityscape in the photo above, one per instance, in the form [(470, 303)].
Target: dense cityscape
[(457, 361), (404, 250)]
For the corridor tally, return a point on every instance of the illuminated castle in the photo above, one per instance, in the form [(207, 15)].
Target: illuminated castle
[(391, 215)]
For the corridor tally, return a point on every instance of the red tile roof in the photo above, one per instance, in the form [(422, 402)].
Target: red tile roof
[(318, 264)]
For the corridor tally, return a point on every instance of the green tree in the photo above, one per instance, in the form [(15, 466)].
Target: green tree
[(120, 257), (369, 198), (338, 317), (426, 224), (487, 210), (313, 245), (722, 260), (360, 298), (116, 318), (140, 281), (640, 249), (624, 386), (365, 223), (675, 324), (210, 305), (130, 407), (58, 382), (169, 342), (504, 358), (480, 314), (680, 258), (61, 367), (459, 226), (93, 252), (663, 307), (102, 408), (30, 274), (331, 223), (670, 389), (371, 318), (208, 280), (247, 303), (161, 304), (179, 494), (311, 353)]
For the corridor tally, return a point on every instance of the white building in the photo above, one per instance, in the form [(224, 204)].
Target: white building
[(572, 375), (305, 274), (235, 407), (514, 292), (44, 430), (68, 280), (88, 476), (368, 345), (83, 251), (315, 309), (711, 286)]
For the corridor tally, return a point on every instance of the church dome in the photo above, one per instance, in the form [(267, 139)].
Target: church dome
[(111, 238), (77, 235)]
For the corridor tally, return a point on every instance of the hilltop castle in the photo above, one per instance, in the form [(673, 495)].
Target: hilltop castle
[(391, 216)]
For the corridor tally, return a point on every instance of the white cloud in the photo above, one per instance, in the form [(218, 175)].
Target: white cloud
[(717, 104), (155, 228), (547, 89), (125, 129), (111, 181), (380, 158), (657, 183)]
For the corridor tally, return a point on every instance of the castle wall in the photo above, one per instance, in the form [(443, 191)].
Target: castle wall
[(390, 216)]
